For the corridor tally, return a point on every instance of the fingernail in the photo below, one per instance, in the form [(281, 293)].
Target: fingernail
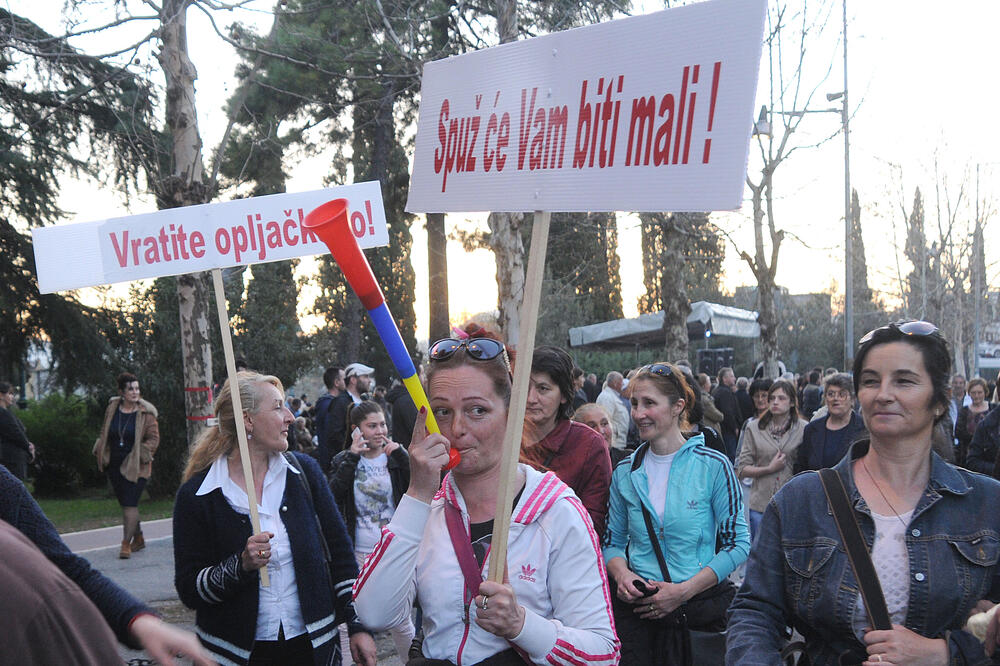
[(423, 410)]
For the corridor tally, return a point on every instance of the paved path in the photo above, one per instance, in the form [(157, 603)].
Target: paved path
[(149, 575), (105, 537)]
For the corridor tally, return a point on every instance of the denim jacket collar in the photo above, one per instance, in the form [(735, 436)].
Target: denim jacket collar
[(944, 477)]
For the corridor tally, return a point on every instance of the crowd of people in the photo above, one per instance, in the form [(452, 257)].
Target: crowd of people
[(657, 506)]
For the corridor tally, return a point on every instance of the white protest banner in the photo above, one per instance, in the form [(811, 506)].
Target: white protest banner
[(645, 113), (198, 238)]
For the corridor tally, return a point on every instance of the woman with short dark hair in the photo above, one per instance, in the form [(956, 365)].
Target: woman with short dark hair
[(553, 442), (932, 531), (124, 449), (826, 440), (969, 418)]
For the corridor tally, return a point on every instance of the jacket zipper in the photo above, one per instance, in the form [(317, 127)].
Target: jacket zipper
[(465, 631)]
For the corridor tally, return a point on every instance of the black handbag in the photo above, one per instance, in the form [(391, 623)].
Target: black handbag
[(705, 611)]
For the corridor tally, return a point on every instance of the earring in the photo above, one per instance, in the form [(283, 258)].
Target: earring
[(250, 435)]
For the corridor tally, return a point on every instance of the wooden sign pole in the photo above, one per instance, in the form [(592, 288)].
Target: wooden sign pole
[(519, 394), (241, 429)]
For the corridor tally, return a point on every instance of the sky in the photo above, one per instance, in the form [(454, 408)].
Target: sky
[(918, 87)]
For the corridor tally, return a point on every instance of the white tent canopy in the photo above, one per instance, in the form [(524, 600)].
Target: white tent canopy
[(648, 328)]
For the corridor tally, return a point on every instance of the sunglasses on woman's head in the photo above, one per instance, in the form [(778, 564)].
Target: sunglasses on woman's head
[(662, 371), (480, 349), (918, 328)]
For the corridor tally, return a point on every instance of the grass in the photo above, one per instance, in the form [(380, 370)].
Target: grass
[(97, 508)]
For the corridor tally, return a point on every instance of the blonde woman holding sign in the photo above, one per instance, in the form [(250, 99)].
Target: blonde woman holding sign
[(554, 606), (304, 546)]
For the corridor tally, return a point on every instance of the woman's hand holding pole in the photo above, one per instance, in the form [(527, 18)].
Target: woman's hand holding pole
[(497, 610), (257, 553)]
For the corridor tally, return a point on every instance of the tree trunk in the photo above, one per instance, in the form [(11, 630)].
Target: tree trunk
[(184, 187), (437, 283), (505, 241), (673, 297), (505, 234), (767, 318), (437, 239), (196, 351)]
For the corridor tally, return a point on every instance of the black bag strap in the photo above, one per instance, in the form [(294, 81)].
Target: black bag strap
[(637, 459), (857, 550), (294, 462), (656, 544)]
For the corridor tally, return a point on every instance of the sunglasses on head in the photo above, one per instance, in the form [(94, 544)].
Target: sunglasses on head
[(662, 371), (918, 328), (480, 349)]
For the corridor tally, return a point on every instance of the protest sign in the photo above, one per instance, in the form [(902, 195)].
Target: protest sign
[(197, 238), (645, 113)]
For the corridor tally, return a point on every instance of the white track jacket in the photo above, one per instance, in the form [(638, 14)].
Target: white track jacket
[(554, 563)]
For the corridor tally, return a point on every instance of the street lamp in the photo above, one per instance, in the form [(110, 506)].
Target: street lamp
[(763, 128)]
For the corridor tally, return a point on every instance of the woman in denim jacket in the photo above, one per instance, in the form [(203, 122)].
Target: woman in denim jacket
[(932, 530)]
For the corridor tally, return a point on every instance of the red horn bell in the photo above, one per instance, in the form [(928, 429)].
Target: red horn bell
[(330, 222)]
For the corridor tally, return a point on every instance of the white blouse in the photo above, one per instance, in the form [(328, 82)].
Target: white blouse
[(892, 565), (278, 605)]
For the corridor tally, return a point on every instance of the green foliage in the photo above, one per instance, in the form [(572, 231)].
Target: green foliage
[(270, 338), (602, 362), (63, 429), (98, 508), (701, 248), (60, 108), (807, 335), (582, 283)]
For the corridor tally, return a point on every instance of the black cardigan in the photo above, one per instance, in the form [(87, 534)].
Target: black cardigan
[(209, 536), (116, 604), (810, 453)]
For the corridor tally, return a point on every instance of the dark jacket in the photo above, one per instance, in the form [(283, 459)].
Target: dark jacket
[(813, 448), (209, 536), (15, 451), (321, 411), (985, 444), (336, 429), (12, 435), (812, 399), (798, 574), (404, 414), (962, 433), (725, 402), (342, 471), (745, 402), (118, 607)]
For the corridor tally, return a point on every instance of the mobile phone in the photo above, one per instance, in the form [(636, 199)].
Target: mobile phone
[(356, 433), (647, 590)]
